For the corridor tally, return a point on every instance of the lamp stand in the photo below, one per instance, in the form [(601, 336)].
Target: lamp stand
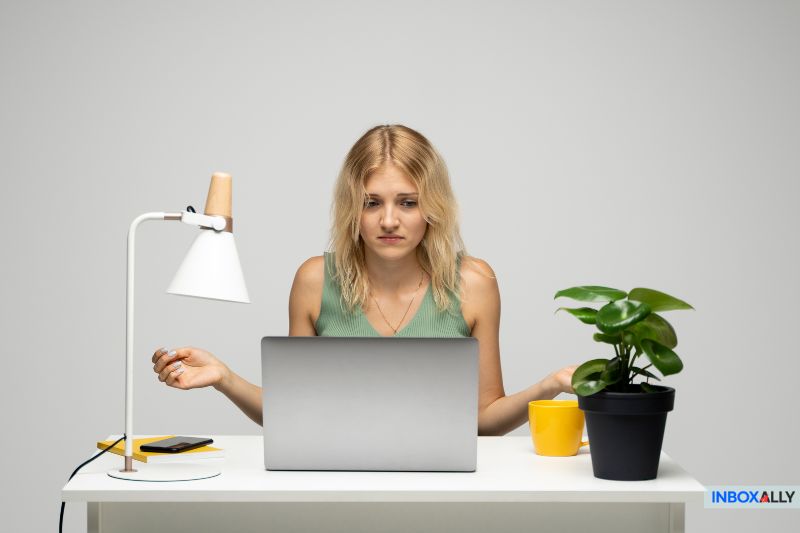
[(159, 472)]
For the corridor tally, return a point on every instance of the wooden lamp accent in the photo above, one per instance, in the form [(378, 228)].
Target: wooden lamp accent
[(218, 202)]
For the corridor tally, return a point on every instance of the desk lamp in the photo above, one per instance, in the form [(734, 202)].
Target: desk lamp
[(211, 269)]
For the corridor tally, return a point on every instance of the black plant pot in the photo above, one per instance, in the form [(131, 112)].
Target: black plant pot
[(626, 430)]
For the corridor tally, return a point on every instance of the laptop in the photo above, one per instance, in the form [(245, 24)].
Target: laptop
[(370, 403)]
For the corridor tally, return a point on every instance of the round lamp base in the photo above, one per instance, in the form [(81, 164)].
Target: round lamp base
[(168, 472)]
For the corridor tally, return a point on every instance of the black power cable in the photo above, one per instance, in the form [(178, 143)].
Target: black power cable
[(61, 516), (190, 209)]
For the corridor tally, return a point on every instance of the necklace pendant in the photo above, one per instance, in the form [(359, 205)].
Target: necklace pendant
[(395, 329)]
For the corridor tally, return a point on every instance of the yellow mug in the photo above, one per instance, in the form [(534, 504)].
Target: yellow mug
[(556, 427)]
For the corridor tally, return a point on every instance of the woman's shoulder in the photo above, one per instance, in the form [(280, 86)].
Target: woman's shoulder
[(477, 273), (306, 294), (311, 273), (309, 280), (480, 295)]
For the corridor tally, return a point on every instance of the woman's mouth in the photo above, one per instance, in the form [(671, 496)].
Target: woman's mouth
[(390, 239)]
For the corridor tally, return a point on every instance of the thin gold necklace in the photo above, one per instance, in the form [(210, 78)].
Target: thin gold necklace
[(421, 279)]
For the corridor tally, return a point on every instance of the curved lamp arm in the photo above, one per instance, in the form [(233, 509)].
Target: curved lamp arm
[(217, 223)]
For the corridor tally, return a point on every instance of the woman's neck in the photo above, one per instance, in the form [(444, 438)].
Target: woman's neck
[(393, 275)]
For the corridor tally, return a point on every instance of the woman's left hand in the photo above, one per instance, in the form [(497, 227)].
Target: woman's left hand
[(561, 380)]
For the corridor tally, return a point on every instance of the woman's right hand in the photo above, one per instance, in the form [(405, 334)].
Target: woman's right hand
[(188, 368)]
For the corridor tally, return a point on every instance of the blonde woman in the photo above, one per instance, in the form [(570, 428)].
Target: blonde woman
[(397, 268)]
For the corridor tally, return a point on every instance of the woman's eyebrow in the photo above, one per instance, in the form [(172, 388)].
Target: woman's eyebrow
[(376, 195)]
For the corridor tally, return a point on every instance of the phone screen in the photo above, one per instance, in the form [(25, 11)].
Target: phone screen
[(176, 444)]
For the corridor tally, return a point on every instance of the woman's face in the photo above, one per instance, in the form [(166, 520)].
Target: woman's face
[(391, 224)]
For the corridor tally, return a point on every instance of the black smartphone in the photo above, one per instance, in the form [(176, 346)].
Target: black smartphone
[(176, 444)]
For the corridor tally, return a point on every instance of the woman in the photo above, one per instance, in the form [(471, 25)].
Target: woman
[(397, 268)]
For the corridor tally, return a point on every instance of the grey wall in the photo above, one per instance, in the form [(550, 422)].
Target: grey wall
[(619, 143)]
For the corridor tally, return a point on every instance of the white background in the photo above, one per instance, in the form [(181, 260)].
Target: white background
[(625, 144)]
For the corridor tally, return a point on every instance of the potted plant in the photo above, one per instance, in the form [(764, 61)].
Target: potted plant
[(625, 419)]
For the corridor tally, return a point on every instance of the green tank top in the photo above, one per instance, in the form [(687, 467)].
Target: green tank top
[(335, 321)]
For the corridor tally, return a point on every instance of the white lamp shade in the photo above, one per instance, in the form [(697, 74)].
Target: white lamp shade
[(211, 269)]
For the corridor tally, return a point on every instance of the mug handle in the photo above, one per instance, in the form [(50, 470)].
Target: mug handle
[(584, 443)]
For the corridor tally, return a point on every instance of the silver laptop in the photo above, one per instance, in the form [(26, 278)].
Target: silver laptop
[(367, 403)]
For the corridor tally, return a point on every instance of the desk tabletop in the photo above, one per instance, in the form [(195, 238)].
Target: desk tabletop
[(508, 471)]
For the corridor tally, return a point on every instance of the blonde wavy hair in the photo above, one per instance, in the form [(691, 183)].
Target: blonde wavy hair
[(440, 247)]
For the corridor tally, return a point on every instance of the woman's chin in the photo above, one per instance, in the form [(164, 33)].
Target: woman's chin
[(390, 253)]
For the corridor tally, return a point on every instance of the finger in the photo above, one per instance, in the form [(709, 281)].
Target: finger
[(185, 353), (164, 360), (158, 353), (173, 377), (178, 354), (173, 367)]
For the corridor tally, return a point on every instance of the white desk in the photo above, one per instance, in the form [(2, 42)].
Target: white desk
[(512, 489)]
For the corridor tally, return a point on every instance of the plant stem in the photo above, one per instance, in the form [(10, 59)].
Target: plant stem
[(639, 372), (624, 361), (633, 375), (636, 354)]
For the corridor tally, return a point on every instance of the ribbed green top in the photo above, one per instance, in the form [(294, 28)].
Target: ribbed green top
[(335, 321)]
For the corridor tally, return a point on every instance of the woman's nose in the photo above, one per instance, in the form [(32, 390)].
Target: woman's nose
[(389, 218)]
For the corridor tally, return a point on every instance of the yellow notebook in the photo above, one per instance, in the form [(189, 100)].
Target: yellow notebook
[(204, 452)]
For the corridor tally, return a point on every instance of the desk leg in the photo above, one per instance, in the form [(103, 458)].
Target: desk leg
[(93, 517), (677, 517)]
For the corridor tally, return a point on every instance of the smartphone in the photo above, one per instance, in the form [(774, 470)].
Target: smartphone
[(176, 444)]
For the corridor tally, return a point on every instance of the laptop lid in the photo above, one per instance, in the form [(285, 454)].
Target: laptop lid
[(370, 403)]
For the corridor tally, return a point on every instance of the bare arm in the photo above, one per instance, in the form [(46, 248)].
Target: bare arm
[(189, 368), (193, 368), (243, 394), (304, 303), (509, 412), (497, 413)]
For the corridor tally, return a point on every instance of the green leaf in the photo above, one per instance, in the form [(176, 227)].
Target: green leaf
[(648, 388), (584, 314), (654, 327), (612, 373), (587, 388), (657, 301), (616, 316), (592, 293), (665, 360), (608, 339), (589, 368), (586, 378), (643, 372)]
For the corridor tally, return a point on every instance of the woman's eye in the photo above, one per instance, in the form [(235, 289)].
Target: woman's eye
[(370, 203), (409, 203)]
